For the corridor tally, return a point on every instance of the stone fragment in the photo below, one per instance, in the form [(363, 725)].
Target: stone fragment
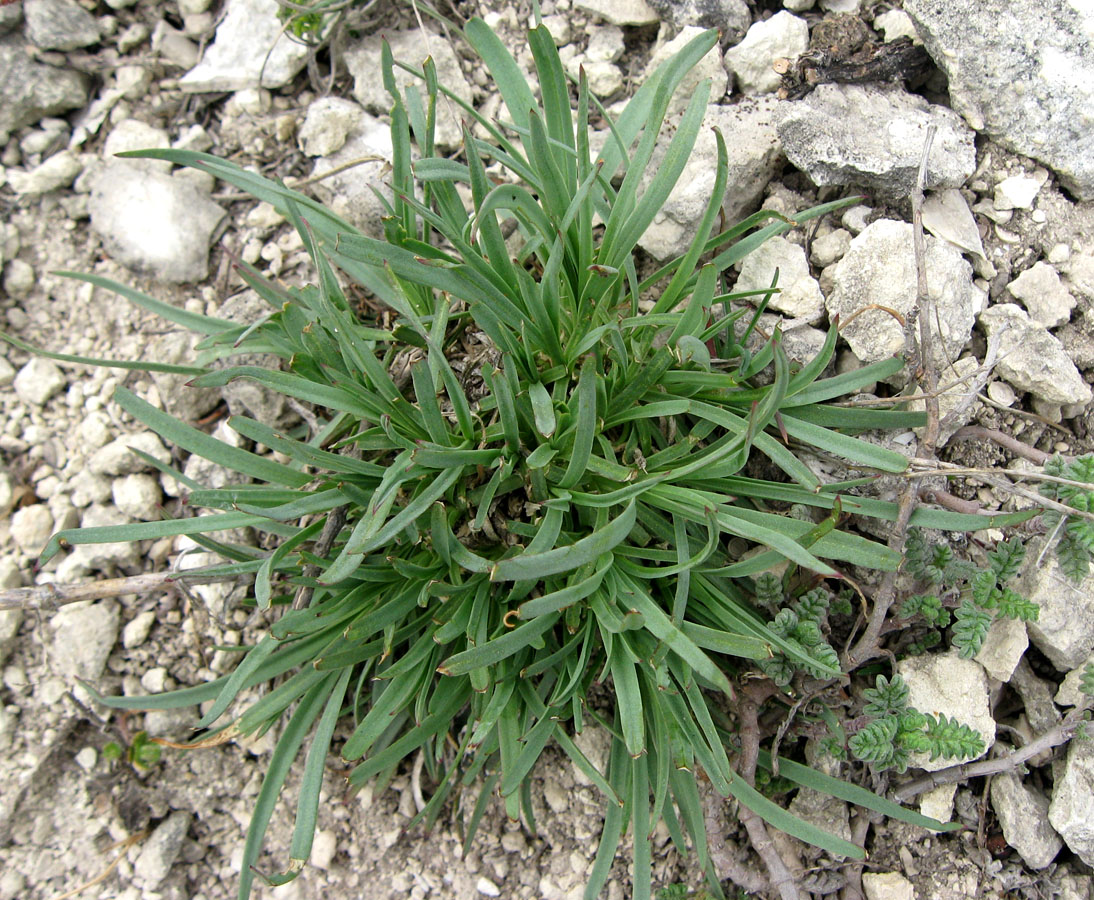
[(1003, 647), (161, 850), (250, 41), (948, 685), (1044, 296), (1022, 73), (116, 458), (179, 397), (887, 886), (154, 223), (38, 381), (59, 171), (59, 24), (753, 154), (895, 24), (782, 36), (710, 66), (605, 78), (324, 849), (83, 636), (830, 247), (87, 558), (1071, 811), (799, 294), (1064, 630), (605, 43), (11, 17), (174, 46), (1016, 192), (19, 280), (1080, 274), (1070, 693), (138, 496), (879, 268), (363, 62), (349, 193), (1023, 815), (946, 215), (824, 811), (31, 528), (328, 123), (10, 619), (133, 134), (137, 629), (620, 12), (1031, 359), (730, 17), (855, 134), (937, 803), (30, 90)]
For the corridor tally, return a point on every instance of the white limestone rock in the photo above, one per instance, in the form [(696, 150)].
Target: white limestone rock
[(83, 636), (782, 36), (799, 293), (1023, 814), (1044, 296), (879, 268), (250, 41), (1031, 359), (948, 685)]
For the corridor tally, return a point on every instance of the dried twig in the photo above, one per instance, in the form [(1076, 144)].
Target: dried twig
[(1060, 734), (102, 876), (49, 597), (725, 862), (1006, 441), (748, 711)]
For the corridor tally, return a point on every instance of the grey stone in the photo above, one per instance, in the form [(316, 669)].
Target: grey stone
[(799, 294), (887, 886), (328, 123), (133, 134), (830, 247), (895, 24), (7, 494), (1023, 815), (731, 17), (1080, 274), (753, 154), (18, 279), (1022, 73), (138, 496), (349, 192), (710, 66), (59, 24), (83, 636), (1071, 811), (11, 16), (605, 78), (38, 381), (59, 171), (854, 134), (154, 223), (31, 528), (1017, 192), (88, 488), (1043, 295), (1031, 359), (136, 631), (162, 849), (7, 371), (879, 268), (250, 42), (620, 12), (116, 458), (946, 215), (363, 61), (828, 813), (782, 36), (182, 400), (10, 620), (1064, 630), (175, 47), (1003, 647), (87, 558), (958, 688)]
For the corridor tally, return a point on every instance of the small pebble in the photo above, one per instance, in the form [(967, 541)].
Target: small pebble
[(87, 758), (136, 631)]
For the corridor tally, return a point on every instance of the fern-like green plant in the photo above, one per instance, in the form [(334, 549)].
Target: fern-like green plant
[(985, 595), (1075, 544), (895, 730), (452, 557)]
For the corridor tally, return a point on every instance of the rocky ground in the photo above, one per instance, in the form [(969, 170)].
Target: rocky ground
[(1005, 83)]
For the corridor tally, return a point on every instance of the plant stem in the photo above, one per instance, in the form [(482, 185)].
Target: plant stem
[(1060, 734), (52, 596)]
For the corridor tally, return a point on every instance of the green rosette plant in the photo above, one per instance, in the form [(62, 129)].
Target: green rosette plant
[(525, 484)]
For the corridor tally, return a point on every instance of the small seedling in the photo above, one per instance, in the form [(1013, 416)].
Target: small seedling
[(141, 752)]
